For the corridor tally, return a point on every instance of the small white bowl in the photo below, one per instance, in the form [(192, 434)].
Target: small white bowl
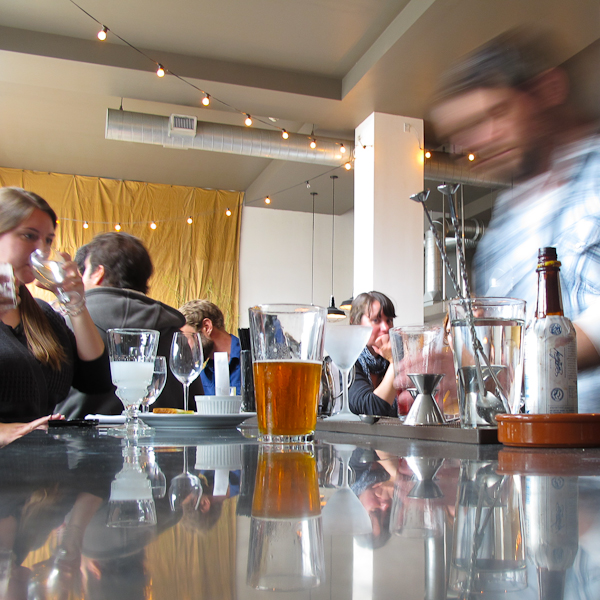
[(218, 405)]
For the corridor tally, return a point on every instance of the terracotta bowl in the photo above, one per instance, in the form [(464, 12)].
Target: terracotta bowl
[(568, 430)]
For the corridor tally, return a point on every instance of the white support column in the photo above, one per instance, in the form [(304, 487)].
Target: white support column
[(388, 226)]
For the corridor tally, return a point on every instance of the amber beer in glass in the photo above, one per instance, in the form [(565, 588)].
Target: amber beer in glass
[(286, 484), (286, 528), (287, 353)]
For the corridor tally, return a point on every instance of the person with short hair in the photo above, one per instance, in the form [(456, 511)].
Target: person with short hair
[(40, 357), (508, 103), (206, 318), (372, 391), (116, 270)]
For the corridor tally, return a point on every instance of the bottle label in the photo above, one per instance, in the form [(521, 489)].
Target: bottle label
[(551, 366)]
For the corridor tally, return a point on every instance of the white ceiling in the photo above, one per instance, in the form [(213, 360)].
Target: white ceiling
[(305, 63)]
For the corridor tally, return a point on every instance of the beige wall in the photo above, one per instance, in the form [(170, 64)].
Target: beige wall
[(275, 258)]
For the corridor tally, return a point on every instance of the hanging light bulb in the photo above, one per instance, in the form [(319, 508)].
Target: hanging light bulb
[(313, 143), (86, 225), (190, 220), (348, 166), (118, 227), (471, 157), (248, 121), (267, 200), (427, 154), (308, 185), (342, 148), (160, 71), (103, 33), (206, 100), (153, 225), (284, 134), (228, 212)]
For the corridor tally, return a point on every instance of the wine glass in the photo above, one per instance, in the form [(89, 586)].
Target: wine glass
[(185, 487), (344, 343), (159, 378), (344, 512), (132, 353), (186, 360), (48, 268)]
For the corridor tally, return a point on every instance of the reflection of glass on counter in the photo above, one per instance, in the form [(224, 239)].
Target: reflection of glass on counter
[(488, 552), (286, 539)]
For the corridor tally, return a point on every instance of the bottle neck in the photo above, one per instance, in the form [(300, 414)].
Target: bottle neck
[(549, 300)]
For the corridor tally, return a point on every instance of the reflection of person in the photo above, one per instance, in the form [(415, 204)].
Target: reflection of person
[(374, 487), (207, 319), (373, 392), (40, 356), (505, 104), (116, 268)]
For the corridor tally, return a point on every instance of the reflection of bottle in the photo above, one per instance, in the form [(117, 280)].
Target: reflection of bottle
[(551, 515), (550, 346)]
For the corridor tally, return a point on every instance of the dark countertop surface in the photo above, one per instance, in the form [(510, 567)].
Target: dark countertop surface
[(422, 519)]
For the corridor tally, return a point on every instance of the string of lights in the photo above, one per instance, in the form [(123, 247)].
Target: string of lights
[(154, 223), (162, 70)]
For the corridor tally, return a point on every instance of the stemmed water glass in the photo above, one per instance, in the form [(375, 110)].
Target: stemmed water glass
[(48, 268), (132, 353), (186, 360), (159, 378), (344, 343)]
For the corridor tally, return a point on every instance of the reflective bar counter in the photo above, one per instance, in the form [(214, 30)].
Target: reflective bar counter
[(215, 515)]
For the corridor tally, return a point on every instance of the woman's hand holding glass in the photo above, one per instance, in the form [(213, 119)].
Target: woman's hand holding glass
[(55, 271)]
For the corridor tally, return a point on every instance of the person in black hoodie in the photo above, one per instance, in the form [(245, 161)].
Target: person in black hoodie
[(115, 269)]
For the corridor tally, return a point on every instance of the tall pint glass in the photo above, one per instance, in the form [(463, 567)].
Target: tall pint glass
[(491, 384), (287, 352), (286, 532)]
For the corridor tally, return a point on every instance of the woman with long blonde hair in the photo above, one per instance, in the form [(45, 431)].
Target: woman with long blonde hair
[(40, 357)]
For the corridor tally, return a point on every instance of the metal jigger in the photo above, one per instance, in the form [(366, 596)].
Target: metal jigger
[(425, 410)]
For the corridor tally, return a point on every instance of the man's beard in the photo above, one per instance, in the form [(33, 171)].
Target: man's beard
[(207, 346)]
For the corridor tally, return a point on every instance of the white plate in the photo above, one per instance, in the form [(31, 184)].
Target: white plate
[(195, 421)]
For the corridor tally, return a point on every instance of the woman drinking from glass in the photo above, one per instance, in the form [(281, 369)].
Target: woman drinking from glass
[(40, 357)]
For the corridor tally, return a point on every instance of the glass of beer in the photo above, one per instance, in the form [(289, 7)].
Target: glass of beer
[(286, 534), (287, 353)]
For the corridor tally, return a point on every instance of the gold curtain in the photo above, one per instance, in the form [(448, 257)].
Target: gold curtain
[(200, 260)]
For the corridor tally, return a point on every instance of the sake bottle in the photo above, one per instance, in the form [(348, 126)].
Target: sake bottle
[(550, 346)]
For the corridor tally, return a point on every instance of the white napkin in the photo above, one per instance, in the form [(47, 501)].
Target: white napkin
[(221, 482), (221, 374), (108, 419)]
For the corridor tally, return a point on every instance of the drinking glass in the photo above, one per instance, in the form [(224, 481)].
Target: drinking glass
[(490, 384), (344, 513), (131, 503), (344, 343), (286, 540), (8, 294), (132, 353), (159, 378), (48, 268), (287, 351), (186, 360)]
